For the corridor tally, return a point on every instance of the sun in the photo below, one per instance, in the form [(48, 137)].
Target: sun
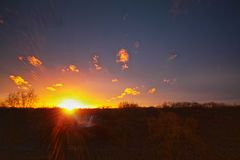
[(70, 104)]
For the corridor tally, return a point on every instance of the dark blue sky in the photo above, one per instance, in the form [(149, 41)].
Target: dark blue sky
[(189, 50)]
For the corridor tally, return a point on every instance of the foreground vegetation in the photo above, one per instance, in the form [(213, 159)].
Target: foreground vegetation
[(128, 133)]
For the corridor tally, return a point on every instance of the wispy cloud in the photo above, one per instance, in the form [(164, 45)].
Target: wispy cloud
[(125, 16), (152, 90), (54, 87), (51, 88), (115, 80), (2, 22), (136, 45), (123, 58), (70, 68), (20, 82), (169, 81), (173, 56), (96, 62), (58, 85)]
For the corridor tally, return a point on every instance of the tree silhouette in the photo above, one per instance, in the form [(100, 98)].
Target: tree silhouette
[(25, 99)]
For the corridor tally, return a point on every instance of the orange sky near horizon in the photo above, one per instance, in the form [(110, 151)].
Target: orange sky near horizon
[(92, 87)]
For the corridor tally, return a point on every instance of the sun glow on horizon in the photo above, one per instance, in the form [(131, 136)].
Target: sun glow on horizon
[(70, 104)]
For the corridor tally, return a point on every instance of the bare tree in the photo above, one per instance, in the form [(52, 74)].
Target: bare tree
[(22, 98), (127, 105)]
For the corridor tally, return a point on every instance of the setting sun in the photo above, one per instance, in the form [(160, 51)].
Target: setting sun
[(70, 104)]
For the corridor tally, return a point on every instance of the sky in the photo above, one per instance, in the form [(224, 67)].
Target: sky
[(106, 52)]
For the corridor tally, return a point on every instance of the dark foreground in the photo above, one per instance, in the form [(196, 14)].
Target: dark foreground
[(121, 134)]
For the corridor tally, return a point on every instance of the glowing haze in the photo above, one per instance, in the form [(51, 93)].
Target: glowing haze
[(97, 53)]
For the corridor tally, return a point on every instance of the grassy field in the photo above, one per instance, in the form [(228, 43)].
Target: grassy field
[(116, 134)]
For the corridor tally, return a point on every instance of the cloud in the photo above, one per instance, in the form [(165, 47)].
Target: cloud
[(51, 88), (169, 81), (125, 16), (131, 91), (136, 44), (20, 58), (127, 91), (54, 87), (96, 63), (152, 90), (123, 58), (70, 68), (34, 61), (20, 82), (173, 56), (115, 80), (2, 22), (58, 85), (125, 66)]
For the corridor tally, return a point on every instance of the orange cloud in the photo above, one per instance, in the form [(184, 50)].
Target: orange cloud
[(51, 88), (123, 57), (96, 63), (152, 90), (127, 91), (20, 82), (131, 91), (70, 68), (58, 85), (115, 80), (34, 61), (54, 87)]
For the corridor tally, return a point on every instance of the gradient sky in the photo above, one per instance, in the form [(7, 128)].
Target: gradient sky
[(179, 50)]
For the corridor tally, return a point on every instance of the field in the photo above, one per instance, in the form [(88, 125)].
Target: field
[(117, 134)]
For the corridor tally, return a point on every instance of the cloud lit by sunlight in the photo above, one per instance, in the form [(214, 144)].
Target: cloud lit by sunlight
[(34, 61), (54, 87), (152, 90), (96, 63), (115, 80), (20, 82), (58, 85), (131, 91), (127, 91), (70, 68), (123, 58), (51, 88)]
